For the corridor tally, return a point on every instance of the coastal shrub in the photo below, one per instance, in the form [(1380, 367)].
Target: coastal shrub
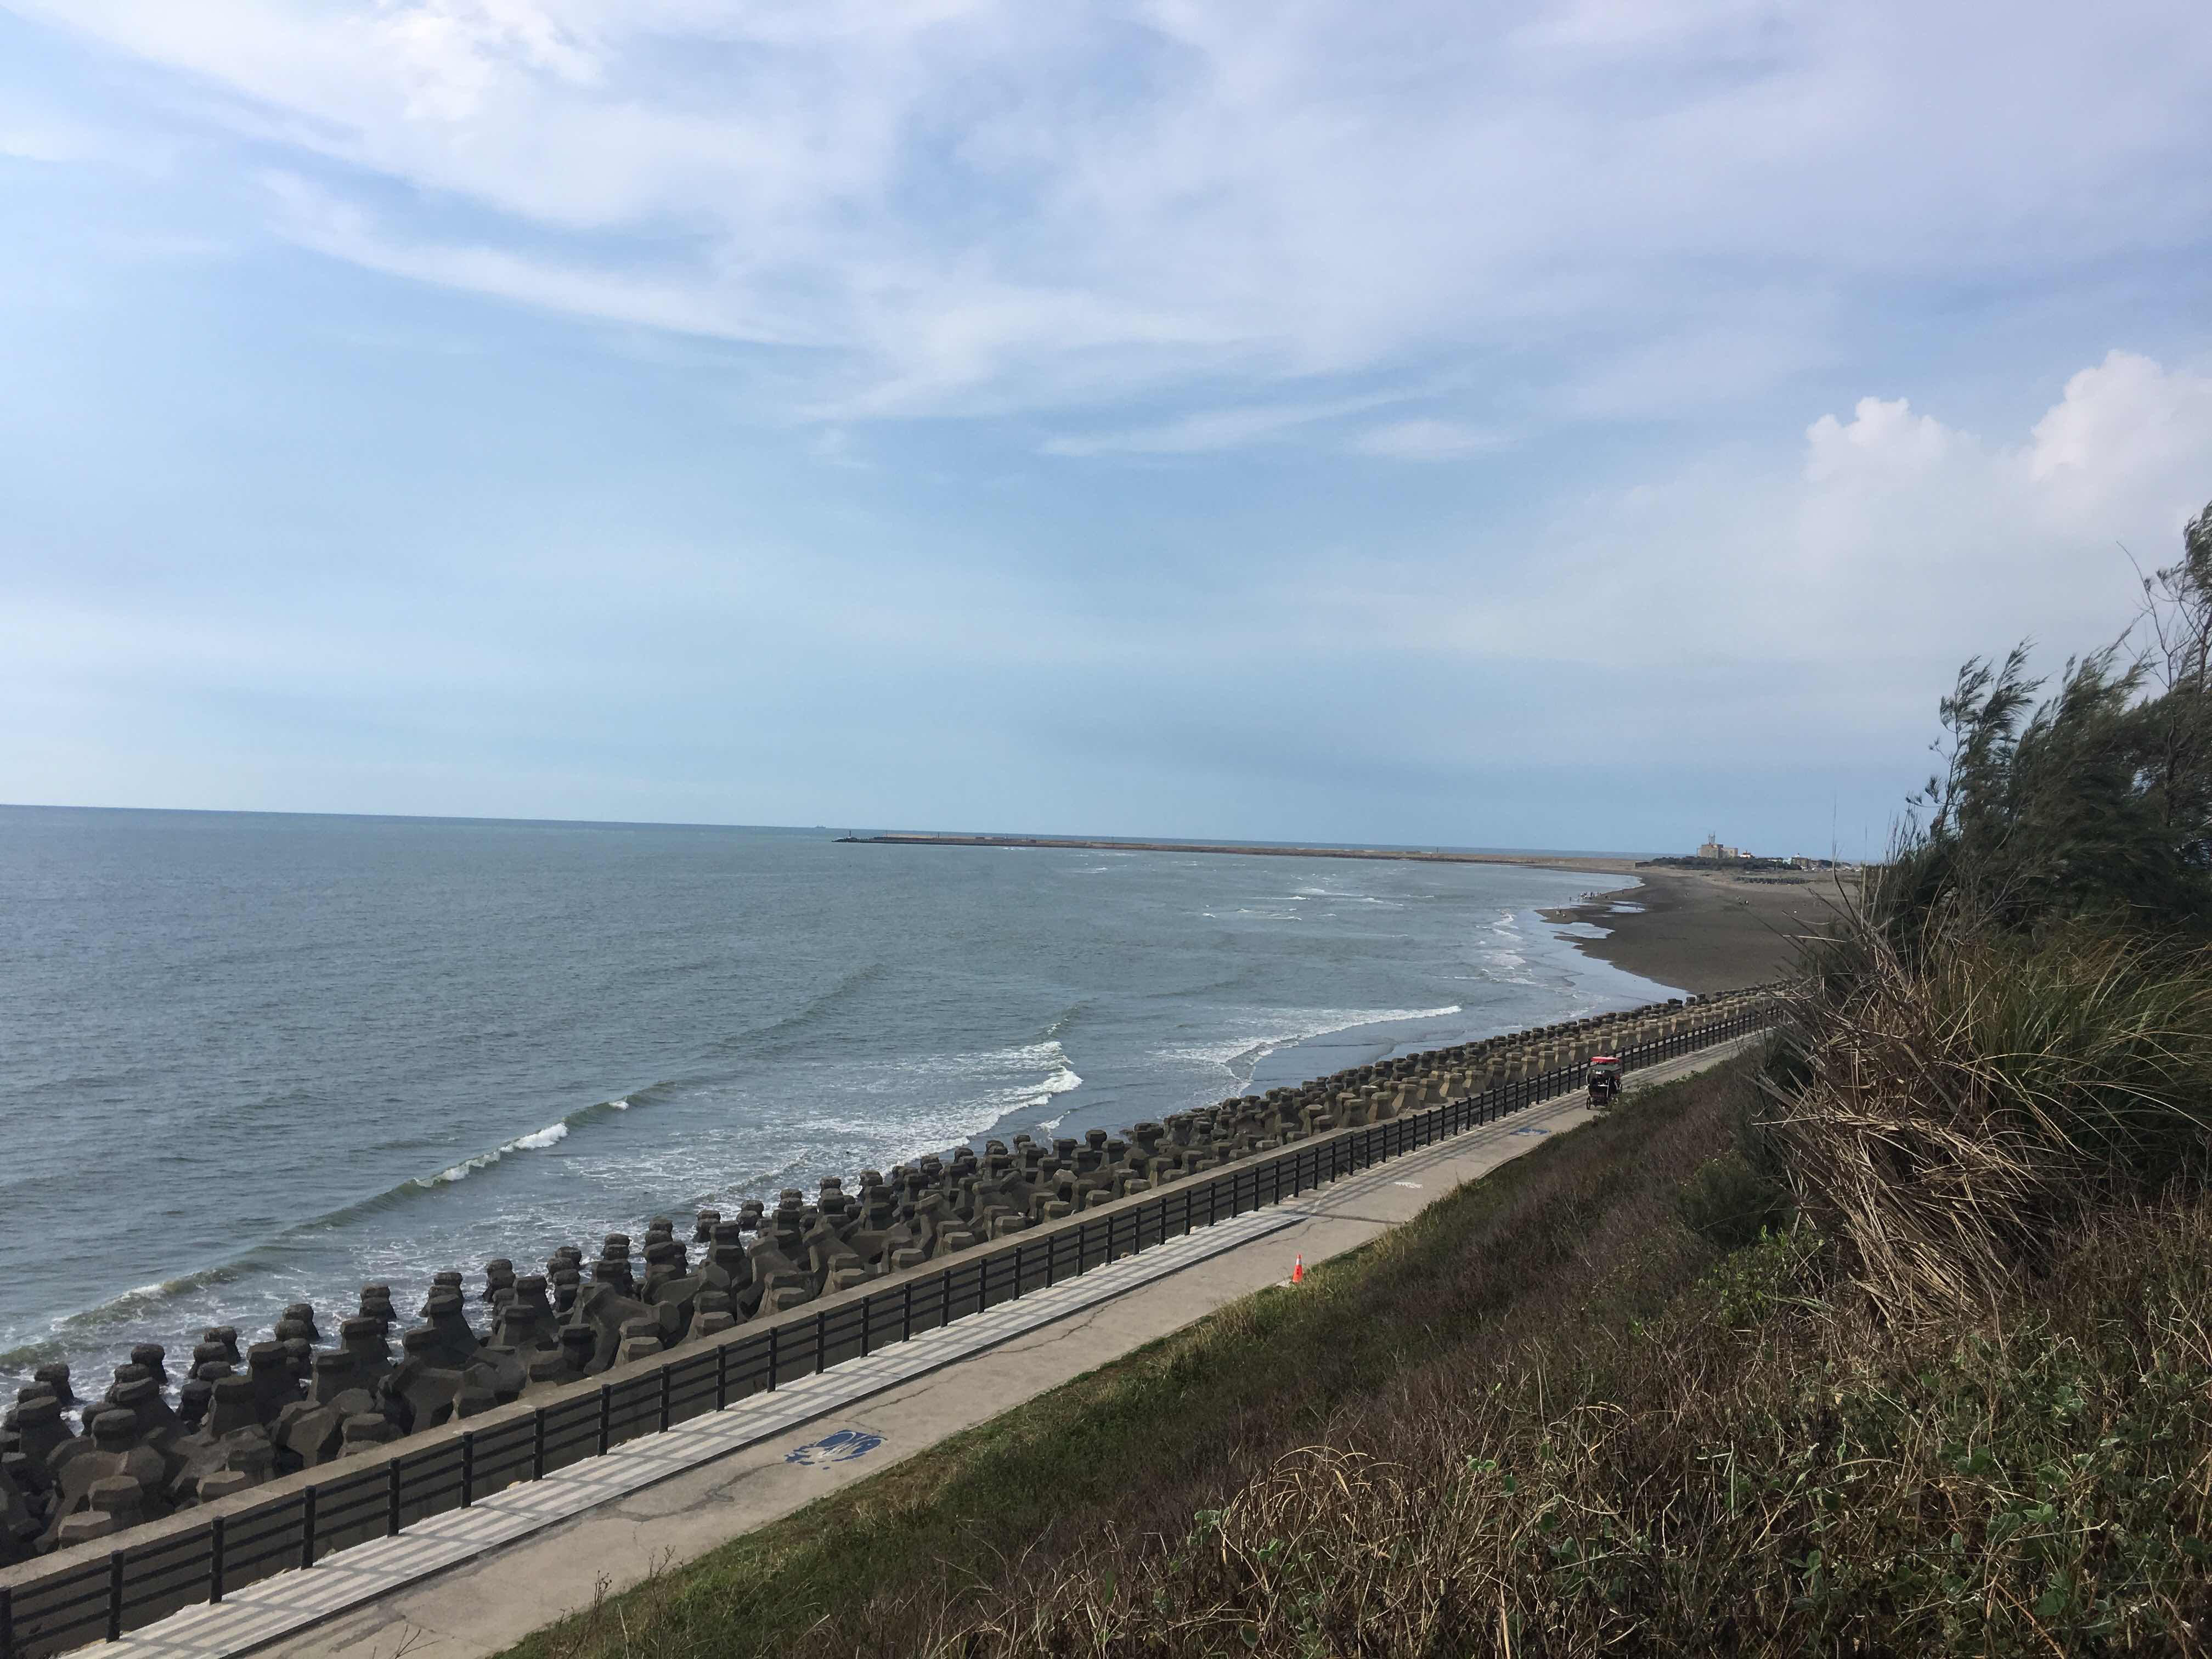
[(2095, 803), (1778, 1270), (1967, 1097), (2029, 1483), (2012, 1025), (1730, 1204)]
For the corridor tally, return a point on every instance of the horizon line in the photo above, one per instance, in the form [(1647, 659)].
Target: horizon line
[(804, 828)]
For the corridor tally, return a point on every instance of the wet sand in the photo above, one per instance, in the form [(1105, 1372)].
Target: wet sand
[(1700, 931)]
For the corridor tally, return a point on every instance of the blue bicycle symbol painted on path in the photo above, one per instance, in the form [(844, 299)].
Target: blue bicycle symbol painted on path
[(842, 1447)]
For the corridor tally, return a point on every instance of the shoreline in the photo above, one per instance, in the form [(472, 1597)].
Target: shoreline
[(1695, 931), (1699, 932)]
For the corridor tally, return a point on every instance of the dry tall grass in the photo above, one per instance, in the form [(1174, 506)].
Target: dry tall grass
[(2034, 1485), (1958, 1095)]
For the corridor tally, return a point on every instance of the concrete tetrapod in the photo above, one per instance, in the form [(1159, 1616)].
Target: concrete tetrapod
[(243, 1416)]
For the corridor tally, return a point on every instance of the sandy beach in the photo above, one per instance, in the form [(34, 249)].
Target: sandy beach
[(1699, 931)]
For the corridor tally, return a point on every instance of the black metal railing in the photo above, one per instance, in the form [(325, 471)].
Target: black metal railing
[(134, 1584)]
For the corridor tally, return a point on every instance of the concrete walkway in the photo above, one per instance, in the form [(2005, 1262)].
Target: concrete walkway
[(493, 1574)]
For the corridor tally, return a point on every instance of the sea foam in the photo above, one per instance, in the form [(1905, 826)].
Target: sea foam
[(551, 1135)]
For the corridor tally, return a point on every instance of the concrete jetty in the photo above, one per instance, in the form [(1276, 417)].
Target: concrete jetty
[(1252, 849)]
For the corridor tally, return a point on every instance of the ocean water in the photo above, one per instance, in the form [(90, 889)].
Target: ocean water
[(247, 1059)]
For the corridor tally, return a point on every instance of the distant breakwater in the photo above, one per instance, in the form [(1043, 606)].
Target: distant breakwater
[(1393, 854), (240, 1415)]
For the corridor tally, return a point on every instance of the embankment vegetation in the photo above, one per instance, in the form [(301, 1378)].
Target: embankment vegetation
[(1896, 1337)]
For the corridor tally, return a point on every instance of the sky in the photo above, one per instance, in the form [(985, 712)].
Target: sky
[(1577, 425)]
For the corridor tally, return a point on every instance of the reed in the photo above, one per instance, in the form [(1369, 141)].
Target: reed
[(1958, 1096), (1762, 1469)]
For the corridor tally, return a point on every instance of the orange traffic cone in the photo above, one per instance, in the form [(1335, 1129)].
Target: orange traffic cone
[(1298, 1269)]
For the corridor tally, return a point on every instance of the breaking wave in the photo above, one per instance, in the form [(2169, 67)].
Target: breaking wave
[(551, 1135), (1278, 1029)]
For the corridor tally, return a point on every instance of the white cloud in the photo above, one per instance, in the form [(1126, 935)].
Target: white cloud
[(1917, 530), (1880, 440), (985, 203), (1893, 548), (1428, 441), (2124, 428)]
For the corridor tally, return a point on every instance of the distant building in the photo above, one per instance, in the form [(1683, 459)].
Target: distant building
[(1712, 849)]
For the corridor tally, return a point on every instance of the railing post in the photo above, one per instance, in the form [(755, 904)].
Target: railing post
[(721, 1376), (115, 1595), (308, 1528), (392, 1499), (538, 1444), (606, 1416), (215, 1564), (821, 1341), (944, 1301), (665, 1406), (468, 1468), (775, 1342), (868, 1308), (6, 1623), (906, 1305)]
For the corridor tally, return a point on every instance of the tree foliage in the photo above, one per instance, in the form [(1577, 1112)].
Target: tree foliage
[(2095, 803)]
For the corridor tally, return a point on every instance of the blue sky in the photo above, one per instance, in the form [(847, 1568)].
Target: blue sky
[(1575, 425)]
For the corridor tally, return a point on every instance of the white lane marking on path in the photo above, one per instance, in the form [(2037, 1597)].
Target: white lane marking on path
[(291, 1601)]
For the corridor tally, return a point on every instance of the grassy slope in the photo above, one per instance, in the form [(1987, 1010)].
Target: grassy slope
[(1545, 1418), (1583, 1221)]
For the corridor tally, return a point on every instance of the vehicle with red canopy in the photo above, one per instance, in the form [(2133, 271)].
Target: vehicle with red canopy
[(1604, 1080)]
